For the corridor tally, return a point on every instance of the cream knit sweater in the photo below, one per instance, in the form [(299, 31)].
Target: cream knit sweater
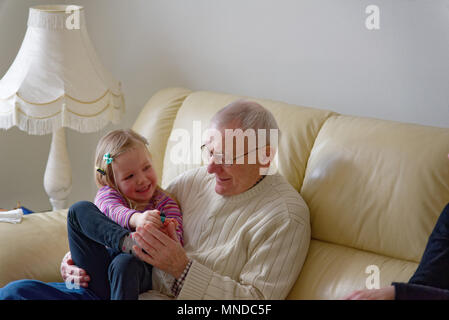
[(249, 246)]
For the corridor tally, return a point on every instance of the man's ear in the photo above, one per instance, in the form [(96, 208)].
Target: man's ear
[(267, 156)]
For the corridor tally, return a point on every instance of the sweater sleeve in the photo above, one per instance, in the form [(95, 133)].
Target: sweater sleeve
[(112, 204), (269, 273), (410, 291)]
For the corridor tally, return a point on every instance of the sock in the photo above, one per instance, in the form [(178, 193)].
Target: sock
[(127, 243)]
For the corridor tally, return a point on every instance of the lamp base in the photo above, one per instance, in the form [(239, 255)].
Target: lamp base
[(58, 173), (58, 204)]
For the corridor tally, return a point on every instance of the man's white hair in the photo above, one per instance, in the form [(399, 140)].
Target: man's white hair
[(249, 114)]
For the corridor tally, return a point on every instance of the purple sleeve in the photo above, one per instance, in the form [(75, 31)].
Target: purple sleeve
[(171, 210), (112, 204)]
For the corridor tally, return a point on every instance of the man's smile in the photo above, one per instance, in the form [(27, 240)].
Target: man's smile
[(222, 180)]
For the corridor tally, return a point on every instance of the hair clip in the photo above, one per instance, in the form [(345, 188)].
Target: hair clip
[(107, 157), (101, 171)]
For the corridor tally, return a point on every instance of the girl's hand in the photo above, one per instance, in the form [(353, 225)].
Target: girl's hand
[(148, 217), (167, 222)]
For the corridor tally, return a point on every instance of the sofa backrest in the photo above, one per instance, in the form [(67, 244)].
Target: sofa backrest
[(377, 185), (374, 188)]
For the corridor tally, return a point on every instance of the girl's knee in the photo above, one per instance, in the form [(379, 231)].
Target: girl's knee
[(82, 206), (79, 208)]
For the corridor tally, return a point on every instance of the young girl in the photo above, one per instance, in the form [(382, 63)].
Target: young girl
[(101, 234)]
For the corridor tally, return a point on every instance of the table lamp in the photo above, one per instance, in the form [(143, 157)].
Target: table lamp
[(58, 81)]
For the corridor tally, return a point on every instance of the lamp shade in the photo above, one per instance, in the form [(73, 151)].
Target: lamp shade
[(57, 80)]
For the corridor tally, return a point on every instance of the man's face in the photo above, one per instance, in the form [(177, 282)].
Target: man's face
[(236, 178)]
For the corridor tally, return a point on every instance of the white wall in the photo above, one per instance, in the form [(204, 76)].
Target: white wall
[(316, 53)]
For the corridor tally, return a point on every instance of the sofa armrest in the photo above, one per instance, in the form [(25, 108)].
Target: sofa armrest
[(34, 248)]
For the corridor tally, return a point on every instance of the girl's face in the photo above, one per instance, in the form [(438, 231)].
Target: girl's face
[(134, 174)]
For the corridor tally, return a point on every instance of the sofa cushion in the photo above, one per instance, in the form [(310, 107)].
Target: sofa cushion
[(332, 271), (155, 122), (34, 248), (377, 185)]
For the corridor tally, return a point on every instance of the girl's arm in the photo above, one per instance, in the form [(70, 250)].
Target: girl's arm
[(114, 206)]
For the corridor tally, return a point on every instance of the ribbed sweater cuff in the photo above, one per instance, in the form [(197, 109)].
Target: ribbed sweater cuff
[(196, 282)]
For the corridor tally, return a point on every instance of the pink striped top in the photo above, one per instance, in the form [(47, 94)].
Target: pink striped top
[(114, 206)]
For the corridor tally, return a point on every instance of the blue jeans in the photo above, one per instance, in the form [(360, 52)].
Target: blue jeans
[(94, 242)]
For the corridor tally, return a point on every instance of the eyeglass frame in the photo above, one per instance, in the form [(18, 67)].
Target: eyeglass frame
[(224, 164)]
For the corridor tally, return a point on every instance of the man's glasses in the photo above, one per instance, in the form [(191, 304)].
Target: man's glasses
[(220, 158)]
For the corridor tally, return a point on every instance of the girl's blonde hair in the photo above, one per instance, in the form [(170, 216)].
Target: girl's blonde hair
[(114, 143)]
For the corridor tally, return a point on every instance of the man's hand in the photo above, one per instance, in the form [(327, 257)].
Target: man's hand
[(387, 293), (70, 270), (162, 251)]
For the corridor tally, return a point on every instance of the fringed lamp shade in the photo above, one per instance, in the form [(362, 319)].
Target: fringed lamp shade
[(57, 81)]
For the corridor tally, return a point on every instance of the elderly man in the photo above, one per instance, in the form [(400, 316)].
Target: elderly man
[(246, 234)]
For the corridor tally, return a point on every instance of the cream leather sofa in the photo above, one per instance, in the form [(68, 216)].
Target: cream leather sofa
[(375, 189)]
